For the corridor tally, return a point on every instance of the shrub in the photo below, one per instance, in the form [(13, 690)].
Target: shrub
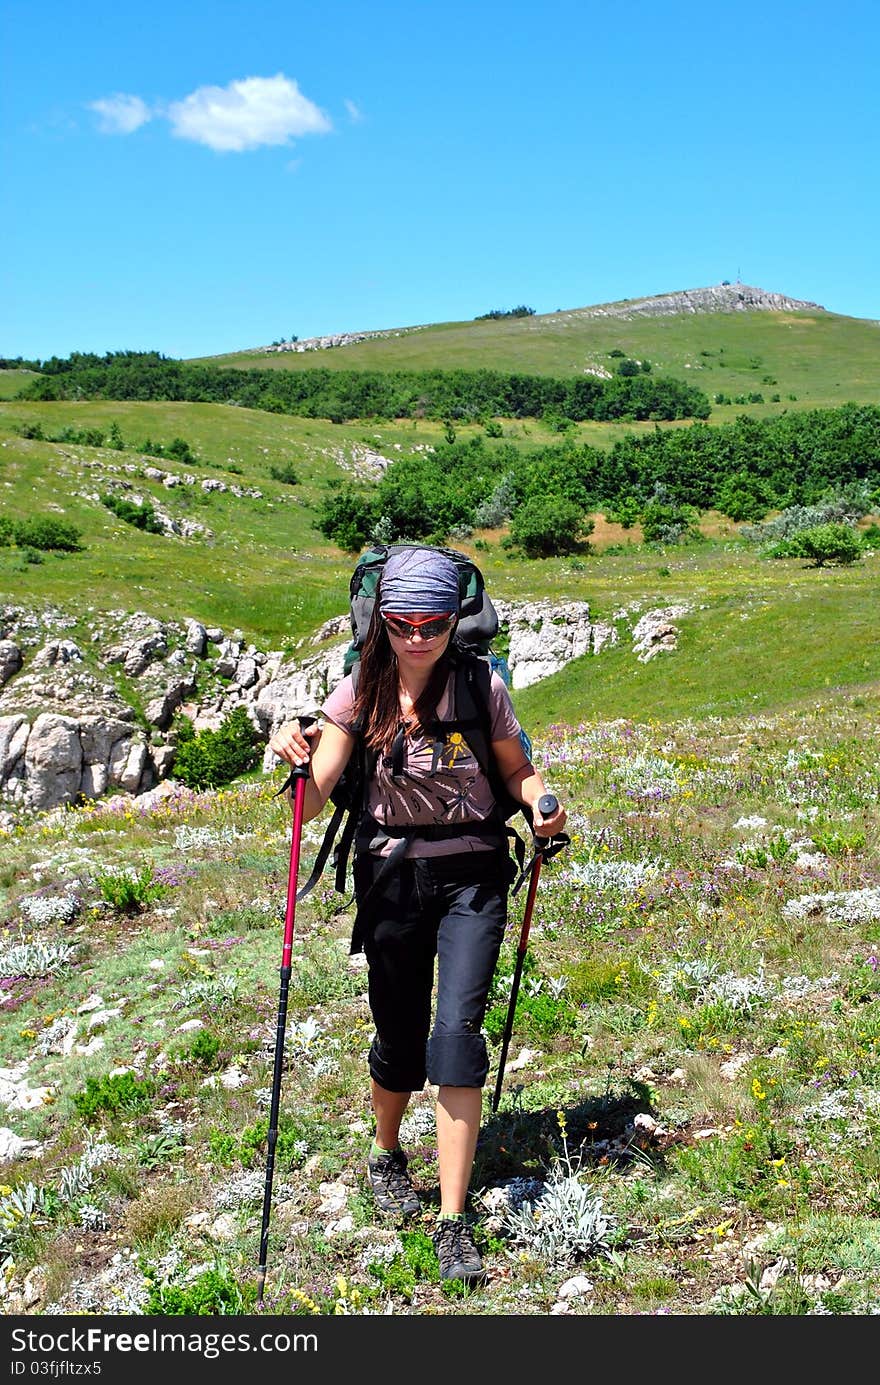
[(128, 891), (564, 1221), (665, 519), (346, 516), (122, 1092), (141, 516), (157, 1212), (491, 513), (180, 451), (46, 533), (285, 473), (538, 1017), (625, 512), (204, 1049), (210, 759), (826, 543), (744, 496), (546, 525), (214, 1291)]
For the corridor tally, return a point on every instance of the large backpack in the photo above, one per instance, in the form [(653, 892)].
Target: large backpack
[(473, 660)]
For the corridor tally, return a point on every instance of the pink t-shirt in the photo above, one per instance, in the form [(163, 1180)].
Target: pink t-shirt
[(439, 785)]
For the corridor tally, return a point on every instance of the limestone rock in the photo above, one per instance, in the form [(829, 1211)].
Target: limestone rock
[(10, 660)]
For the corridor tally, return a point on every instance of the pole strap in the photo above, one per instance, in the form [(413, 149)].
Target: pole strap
[(546, 848)]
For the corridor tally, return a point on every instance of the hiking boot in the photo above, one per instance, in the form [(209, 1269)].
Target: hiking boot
[(457, 1251), (391, 1184)]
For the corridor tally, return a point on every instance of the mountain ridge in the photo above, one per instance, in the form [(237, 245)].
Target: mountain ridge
[(725, 298)]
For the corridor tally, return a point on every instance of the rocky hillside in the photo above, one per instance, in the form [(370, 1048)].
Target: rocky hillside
[(719, 298)]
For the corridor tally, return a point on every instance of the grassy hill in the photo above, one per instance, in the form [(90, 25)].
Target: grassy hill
[(822, 358), (266, 571)]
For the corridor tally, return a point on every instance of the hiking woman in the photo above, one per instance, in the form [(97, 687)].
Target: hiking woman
[(431, 873)]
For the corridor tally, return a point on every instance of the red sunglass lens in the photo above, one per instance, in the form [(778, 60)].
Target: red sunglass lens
[(428, 629)]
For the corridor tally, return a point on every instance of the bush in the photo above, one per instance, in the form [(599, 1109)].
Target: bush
[(141, 516), (204, 1049), (122, 1092), (491, 513), (539, 1018), (46, 533), (129, 892), (346, 516), (214, 1291), (210, 759), (826, 543), (665, 519), (546, 525), (625, 512), (744, 496), (285, 473)]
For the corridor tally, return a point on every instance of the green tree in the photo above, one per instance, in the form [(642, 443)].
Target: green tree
[(546, 525), (346, 516), (744, 496), (665, 518)]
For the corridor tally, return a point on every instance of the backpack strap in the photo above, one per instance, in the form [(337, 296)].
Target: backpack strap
[(472, 684), (352, 803)]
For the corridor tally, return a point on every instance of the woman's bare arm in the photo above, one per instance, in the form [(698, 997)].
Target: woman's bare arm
[(326, 749), (526, 784)]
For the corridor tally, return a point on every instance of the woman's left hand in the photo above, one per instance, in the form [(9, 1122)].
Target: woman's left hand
[(548, 826)]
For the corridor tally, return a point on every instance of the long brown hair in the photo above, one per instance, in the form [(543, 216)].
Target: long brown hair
[(377, 702)]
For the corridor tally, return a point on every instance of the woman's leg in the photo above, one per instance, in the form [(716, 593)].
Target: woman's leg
[(388, 1108), (459, 1111), (468, 941)]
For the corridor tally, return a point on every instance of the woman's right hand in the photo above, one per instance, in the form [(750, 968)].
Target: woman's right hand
[(292, 741)]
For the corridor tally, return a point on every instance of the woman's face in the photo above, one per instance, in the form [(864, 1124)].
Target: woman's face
[(418, 640)]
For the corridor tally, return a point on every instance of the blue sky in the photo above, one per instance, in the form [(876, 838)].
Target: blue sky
[(200, 177)]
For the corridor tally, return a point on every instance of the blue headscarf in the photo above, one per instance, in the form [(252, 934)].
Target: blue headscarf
[(419, 581)]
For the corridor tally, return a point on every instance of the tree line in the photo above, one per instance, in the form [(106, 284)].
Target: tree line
[(743, 469), (345, 395)]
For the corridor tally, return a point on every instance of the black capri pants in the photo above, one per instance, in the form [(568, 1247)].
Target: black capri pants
[(452, 908)]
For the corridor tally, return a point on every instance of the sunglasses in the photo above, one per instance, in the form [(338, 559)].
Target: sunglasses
[(429, 627)]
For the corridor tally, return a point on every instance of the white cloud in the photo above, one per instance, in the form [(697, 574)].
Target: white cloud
[(121, 114), (354, 112), (246, 114)]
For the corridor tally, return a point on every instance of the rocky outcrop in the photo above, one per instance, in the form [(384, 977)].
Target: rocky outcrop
[(719, 298), (335, 339), (546, 635)]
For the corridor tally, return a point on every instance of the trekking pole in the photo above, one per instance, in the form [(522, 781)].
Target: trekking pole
[(547, 805), (298, 777)]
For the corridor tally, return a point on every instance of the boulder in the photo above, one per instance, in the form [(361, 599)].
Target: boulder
[(10, 660), (53, 761), (14, 732)]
